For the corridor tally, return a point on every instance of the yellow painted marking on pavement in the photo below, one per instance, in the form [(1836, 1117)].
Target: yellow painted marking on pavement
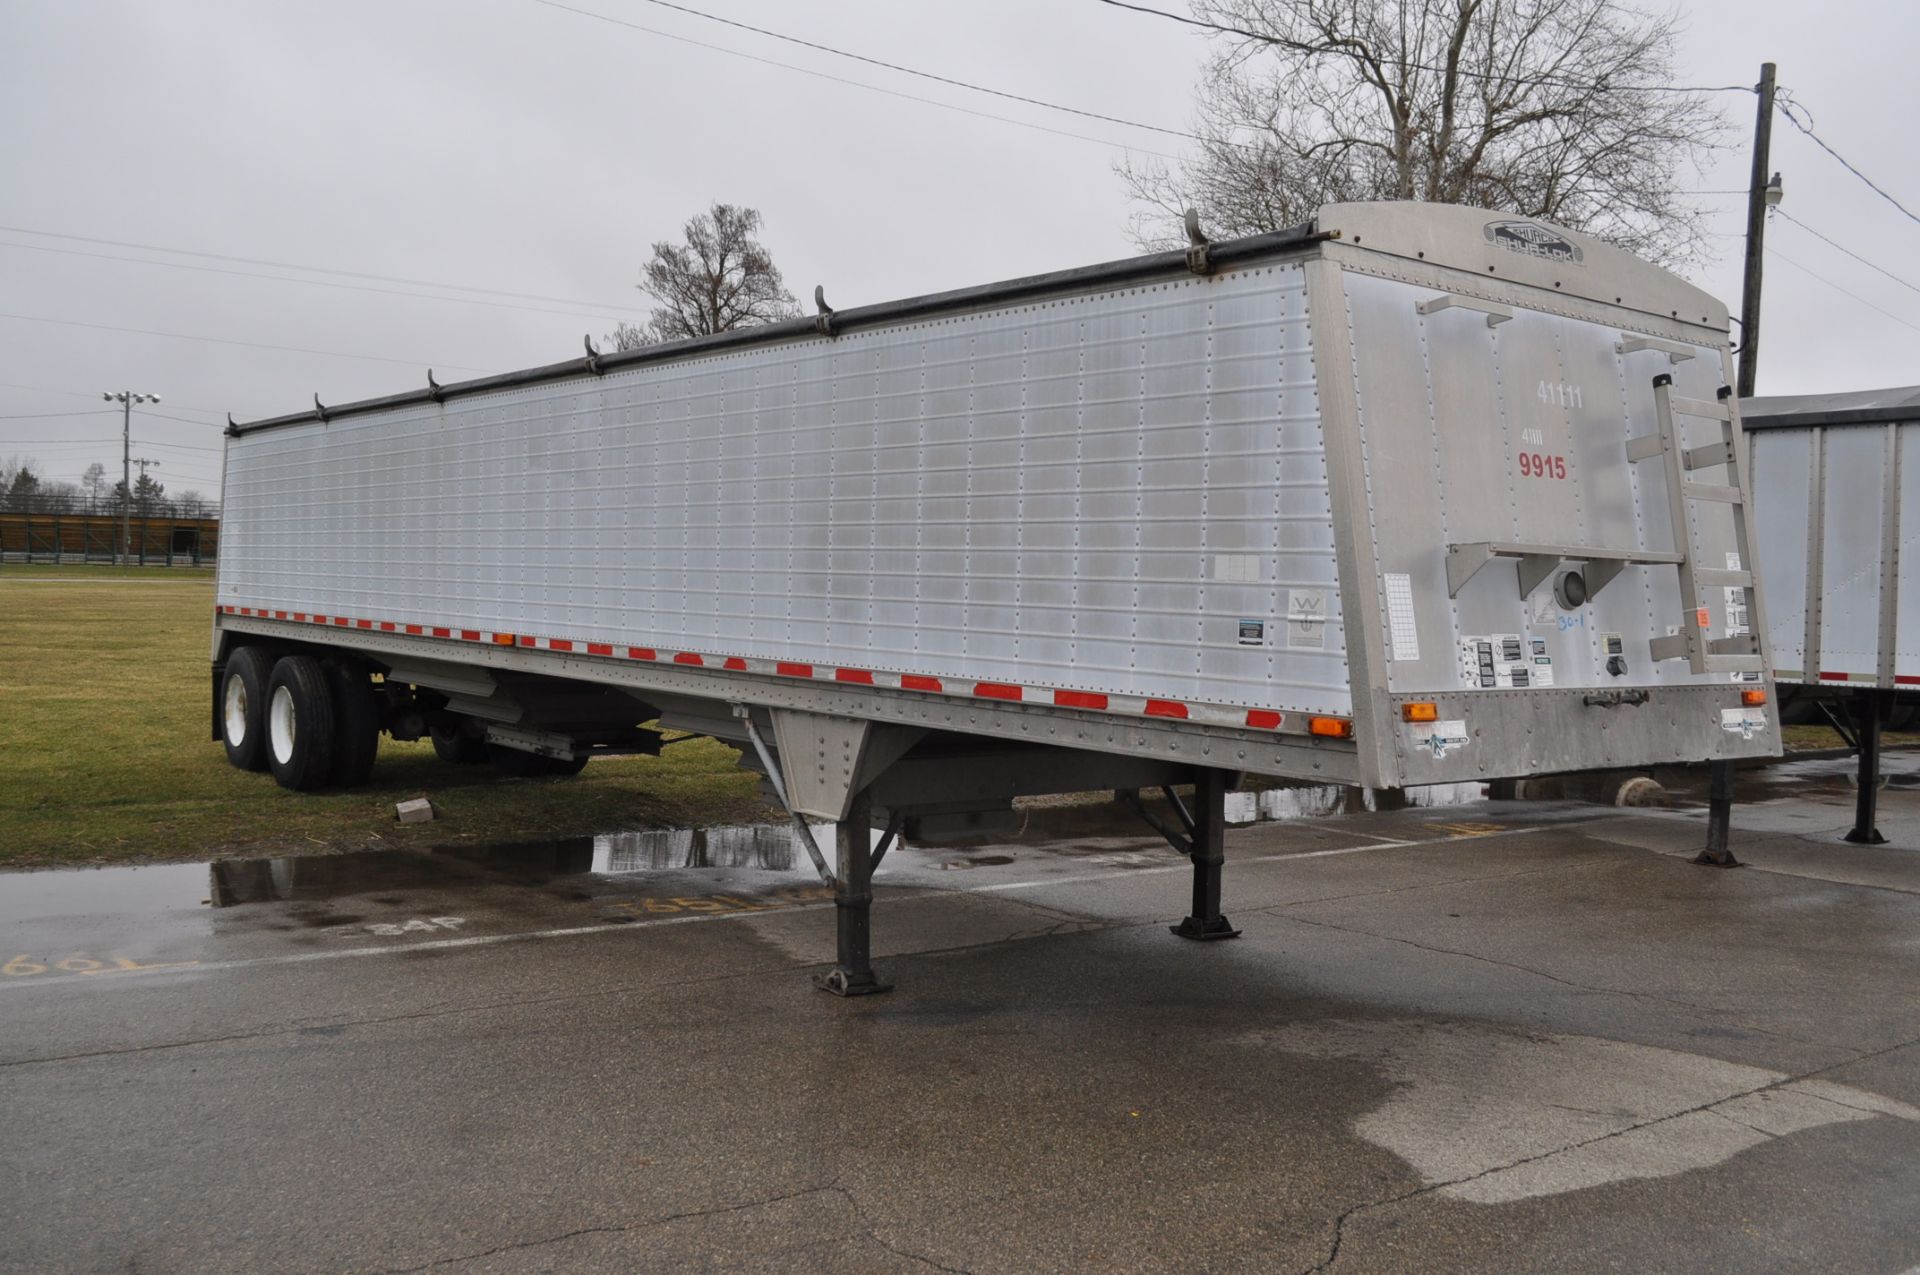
[(25, 966)]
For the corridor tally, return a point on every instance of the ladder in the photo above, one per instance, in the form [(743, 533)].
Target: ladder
[(1703, 654)]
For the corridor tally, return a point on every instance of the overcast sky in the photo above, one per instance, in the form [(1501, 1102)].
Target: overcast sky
[(513, 146)]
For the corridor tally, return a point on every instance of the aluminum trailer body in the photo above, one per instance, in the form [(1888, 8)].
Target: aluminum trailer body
[(1402, 496), (1837, 483)]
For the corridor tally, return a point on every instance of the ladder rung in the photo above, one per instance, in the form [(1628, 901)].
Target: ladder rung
[(1669, 648), (1709, 456), (1733, 664), (1702, 407), (1644, 446), (1711, 491), (1715, 578)]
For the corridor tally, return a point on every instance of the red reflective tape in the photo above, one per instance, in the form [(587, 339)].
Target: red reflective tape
[(1264, 718), (735, 663), (794, 670), (440, 632), (1166, 708), (414, 629), (1079, 699), (915, 682), (1833, 677), (469, 635), (641, 653), (342, 621), (996, 690), (1901, 679), (599, 648), (559, 644), (688, 657), (386, 626), (279, 615), (365, 624), (858, 675), (300, 615), (524, 640), (319, 619)]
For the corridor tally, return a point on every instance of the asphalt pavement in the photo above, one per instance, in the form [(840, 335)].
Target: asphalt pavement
[(1514, 1036)]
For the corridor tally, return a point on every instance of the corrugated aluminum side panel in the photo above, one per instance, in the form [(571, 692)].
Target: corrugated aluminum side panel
[(1850, 538), (1785, 479), (1088, 493)]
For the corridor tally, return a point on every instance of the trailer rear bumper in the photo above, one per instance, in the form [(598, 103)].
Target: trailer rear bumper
[(1535, 732)]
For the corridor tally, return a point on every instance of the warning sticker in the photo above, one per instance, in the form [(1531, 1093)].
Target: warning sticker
[(1505, 661), (1253, 633), (1743, 721), (1307, 619), (1440, 738)]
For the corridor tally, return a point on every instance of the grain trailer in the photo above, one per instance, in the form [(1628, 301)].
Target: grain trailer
[(1832, 477), (1410, 494)]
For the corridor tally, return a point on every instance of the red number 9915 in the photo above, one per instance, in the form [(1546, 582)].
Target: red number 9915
[(1537, 465)]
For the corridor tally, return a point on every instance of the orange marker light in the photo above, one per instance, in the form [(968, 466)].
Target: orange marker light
[(1753, 699), (503, 639), (1330, 727), (1420, 712)]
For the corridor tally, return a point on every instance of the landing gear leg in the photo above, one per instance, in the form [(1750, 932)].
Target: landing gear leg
[(853, 906), (1719, 817), (1869, 707), (1208, 852)]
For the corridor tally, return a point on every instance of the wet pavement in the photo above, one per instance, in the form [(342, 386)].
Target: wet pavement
[(1455, 1035)]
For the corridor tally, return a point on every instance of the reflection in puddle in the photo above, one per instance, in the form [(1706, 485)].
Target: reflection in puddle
[(1323, 800), (311, 878), (768, 847)]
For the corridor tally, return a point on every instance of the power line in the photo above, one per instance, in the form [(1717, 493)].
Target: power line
[(837, 79), (290, 265), (98, 442), (253, 345), (904, 70), (1773, 252), (47, 416), (183, 420), (315, 283), (1562, 81), (1788, 109), (1781, 212)]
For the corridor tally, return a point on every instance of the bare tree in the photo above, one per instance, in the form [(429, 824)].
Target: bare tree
[(1548, 108), (720, 279), (95, 483)]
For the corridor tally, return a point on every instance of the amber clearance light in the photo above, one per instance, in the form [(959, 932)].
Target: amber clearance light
[(1330, 727), (1420, 711), (1753, 699)]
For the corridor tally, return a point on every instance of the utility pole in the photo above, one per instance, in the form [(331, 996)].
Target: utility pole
[(126, 399), (1762, 194)]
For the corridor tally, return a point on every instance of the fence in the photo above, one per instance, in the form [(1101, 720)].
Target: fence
[(156, 540)]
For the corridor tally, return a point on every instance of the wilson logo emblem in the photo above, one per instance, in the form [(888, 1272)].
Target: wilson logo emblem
[(1530, 239)]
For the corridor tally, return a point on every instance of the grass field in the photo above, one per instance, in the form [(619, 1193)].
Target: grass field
[(105, 755)]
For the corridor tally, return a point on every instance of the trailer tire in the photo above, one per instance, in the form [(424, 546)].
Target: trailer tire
[(356, 723), (456, 747), (299, 723), (243, 706)]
